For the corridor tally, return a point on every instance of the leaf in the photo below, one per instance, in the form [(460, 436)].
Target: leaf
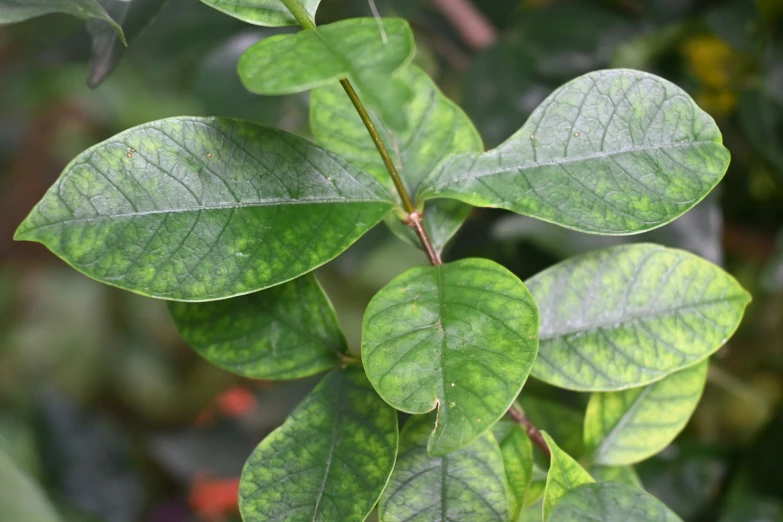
[(467, 485), (610, 502), (517, 452), (285, 332), (438, 128), (622, 474), (12, 11), (460, 337), (133, 16), (612, 152), (270, 13), (630, 315), (561, 422), (354, 49), (564, 475), (628, 426), (21, 498), (329, 461), (535, 491), (193, 209)]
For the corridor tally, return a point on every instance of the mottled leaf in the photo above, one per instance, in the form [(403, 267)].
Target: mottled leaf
[(612, 152), (610, 502), (630, 315), (270, 13), (330, 460), (355, 48), (467, 485), (625, 427), (459, 337), (194, 209), (565, 474), (437, 128), (12, 11), (284, 332), (517, 452)]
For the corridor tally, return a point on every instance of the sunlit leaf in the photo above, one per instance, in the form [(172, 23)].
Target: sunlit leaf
[(565, 474), (610, 502), (517, 452), (271, 13), (12, 11)]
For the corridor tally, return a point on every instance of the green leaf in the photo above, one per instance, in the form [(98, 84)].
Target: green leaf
[(12, 11), (610, 502), (285, 332), (459, 337), (270, 13), (564, 475), (466, 485), (194, 209), (437, 129), (628, 426), (22, 499), (517, 452), (561, 422), (622, 474), (612, 152), (630, 315), (355, 48), (330, 460)]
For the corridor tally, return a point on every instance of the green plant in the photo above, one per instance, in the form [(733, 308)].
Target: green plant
[(227, 219)]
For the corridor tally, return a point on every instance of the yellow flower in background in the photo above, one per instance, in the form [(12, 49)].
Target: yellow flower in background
[(714, 64)]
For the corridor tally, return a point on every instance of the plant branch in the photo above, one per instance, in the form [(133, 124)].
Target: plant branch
[(471, 24), (534, 433)]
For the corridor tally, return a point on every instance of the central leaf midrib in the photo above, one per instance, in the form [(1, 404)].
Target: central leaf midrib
[(335, 425)]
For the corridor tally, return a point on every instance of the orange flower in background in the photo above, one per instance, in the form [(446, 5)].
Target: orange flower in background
[(214, 500)]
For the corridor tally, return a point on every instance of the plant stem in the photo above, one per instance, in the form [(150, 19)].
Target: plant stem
[(535, 435), (299, 13)]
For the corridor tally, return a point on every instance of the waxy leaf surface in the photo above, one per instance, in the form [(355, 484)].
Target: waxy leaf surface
[(625, 427), (330, 460), (459, 337), (611, 152), (436, 128), (517, 452), (270, 13), (564, 475), (630, 315), (196, 209), (353, 49), (12, 11), (610, 502), (284, 332), (467, 485)]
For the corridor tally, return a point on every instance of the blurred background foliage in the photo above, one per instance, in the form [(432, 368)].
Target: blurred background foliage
[(108, 415)]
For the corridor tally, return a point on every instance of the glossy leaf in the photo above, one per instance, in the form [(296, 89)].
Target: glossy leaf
[(459, 337), (12, 11), (517, 452), (353, 48), (628, 426), (630, 315), (284, 332), (565, 474), (270, 13), (437, 128), (329, 461), (468, 485), (194, 209), (612, 152), (610, 502)]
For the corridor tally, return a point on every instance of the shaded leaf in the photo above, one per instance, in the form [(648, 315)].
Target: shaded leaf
[(628, 426), (352, 48), (517, 452), (270, 13), (284, 332), (22, 499), (437, 128), (12, 11), (622, 474), (195, 209), (612, 152), (610, 502), (467, 485), (329, 461), (564, 424), (460, 337), (535, 491), (630, 315), (565, 474)]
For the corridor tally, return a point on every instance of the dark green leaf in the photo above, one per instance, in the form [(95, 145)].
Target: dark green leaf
[(193, 209), (625, 427), (630, 315), (21, 499), (329, 461), (467, 485), (562, 423), (437, 128), (564, 475), (284, 332), (610, 502), (12, 11), (459, 337), (517, 452), (612, 152), (354, 48), (271, 13)]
